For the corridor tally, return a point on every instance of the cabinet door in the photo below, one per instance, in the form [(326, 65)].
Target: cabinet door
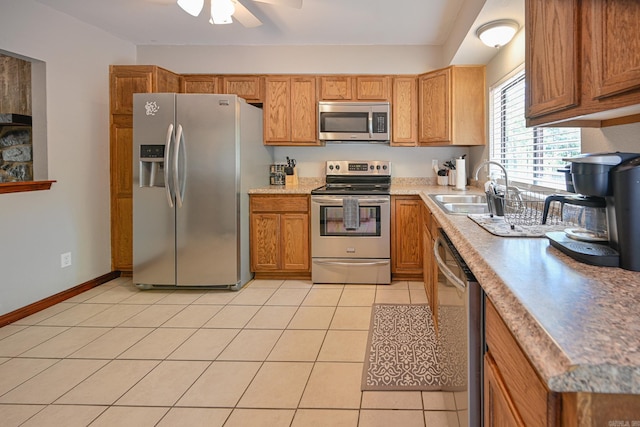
[(166, 81), (406, 239), (372, 88), (121, 147), (435, 107), (265, 241), (125, 81), (304, 110), (614, 50), (499, 410), (200, 83), (295, 241), (277, 110), (404, 108), (248, 87), (335, 88), (551, 56)]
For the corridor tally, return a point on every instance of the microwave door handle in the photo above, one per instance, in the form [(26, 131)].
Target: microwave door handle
[(459, 284), (370, 124), (167, 157)]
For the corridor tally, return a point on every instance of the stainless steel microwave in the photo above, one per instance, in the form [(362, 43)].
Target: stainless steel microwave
[(354, 122)]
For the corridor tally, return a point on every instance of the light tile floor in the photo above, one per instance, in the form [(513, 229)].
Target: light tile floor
[(276, 353)]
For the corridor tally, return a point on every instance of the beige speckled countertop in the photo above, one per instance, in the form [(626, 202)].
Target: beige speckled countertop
[(579, 324)]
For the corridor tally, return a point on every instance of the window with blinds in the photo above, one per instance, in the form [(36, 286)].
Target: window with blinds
[(530, 155)]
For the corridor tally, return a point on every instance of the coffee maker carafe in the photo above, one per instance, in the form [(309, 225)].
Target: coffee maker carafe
[(608, 184)]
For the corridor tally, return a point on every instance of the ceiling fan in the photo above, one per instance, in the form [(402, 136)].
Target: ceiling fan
[(223, 10)]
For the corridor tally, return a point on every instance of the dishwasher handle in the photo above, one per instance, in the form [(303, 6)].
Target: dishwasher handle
[(455, 280)]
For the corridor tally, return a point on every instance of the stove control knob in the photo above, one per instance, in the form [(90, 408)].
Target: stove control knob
[(330, 167), (378, 167), (384, 167), (371, 167), (337, 167)]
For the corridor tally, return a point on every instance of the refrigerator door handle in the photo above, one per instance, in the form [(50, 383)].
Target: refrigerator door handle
[(179, 186), (167, 185)]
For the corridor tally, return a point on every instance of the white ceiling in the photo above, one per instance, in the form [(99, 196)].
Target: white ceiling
[(326, 22)]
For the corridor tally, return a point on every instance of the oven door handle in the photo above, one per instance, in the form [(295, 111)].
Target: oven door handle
[(455, 280), (339, 200), (352, 263)]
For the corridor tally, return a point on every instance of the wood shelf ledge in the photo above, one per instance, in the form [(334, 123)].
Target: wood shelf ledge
[(19, 187)]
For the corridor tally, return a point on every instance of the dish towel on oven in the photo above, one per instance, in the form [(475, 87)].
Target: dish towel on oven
[(351, 212)]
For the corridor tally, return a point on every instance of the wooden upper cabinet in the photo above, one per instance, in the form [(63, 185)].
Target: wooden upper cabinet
[(277, 110), (200, 83), (125, 81), (373, 88), (290, 110), (452, 107), (615, 46), (435, 103), (404, 111), (551, 56), (582, 62), (129, 79), (355, 88), (335, 88), (304, 111), (165, 81), (251, 88)]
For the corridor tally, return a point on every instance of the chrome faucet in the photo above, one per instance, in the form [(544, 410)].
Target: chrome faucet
[(491, 162)]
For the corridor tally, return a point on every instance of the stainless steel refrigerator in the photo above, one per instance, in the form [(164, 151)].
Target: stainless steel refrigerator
[(195, 156)]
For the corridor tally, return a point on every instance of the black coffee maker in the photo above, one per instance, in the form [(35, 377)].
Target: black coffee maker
[(607, 182)]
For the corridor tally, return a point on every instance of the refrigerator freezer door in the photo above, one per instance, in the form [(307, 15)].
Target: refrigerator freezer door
[(207, 223), (153, 217)]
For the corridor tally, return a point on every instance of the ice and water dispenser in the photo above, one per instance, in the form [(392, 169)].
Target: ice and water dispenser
[(152, 165)]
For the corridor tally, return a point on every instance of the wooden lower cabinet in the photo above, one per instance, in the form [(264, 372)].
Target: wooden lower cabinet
[(513, 384), (406, 237), (498, 406), (279, 230), (514, 394)]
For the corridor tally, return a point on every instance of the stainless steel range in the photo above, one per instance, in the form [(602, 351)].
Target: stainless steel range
[(350, 224)]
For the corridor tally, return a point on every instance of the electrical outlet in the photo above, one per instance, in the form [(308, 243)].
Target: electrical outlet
[(65, 259), (434, 164)]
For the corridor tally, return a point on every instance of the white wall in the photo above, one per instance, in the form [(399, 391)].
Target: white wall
[(36, 227), (312, 59), (407, 162)]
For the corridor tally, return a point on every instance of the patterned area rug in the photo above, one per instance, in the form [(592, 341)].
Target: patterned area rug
[(403, 350)]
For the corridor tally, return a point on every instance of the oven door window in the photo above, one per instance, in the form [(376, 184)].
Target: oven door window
[(332, 222), (344, 122)]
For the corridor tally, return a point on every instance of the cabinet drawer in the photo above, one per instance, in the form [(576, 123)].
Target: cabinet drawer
[(279, 204), (533, 401)]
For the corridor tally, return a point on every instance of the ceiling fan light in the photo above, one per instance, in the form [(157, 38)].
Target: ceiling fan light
[(192, 7), (497, 33), (221, 11)]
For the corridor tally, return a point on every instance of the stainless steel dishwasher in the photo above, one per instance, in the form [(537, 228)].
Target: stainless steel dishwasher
[(460, 317)]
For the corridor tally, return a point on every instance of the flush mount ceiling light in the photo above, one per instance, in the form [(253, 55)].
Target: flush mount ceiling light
[(497, 33), (223, 10)]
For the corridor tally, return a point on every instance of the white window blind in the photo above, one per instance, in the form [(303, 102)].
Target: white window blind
[(530, 155)]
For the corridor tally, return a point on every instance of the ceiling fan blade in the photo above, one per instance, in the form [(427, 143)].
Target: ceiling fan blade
[(244, 16), (291, 3)]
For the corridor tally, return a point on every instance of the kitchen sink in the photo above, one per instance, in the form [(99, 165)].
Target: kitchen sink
[(461, 204)]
